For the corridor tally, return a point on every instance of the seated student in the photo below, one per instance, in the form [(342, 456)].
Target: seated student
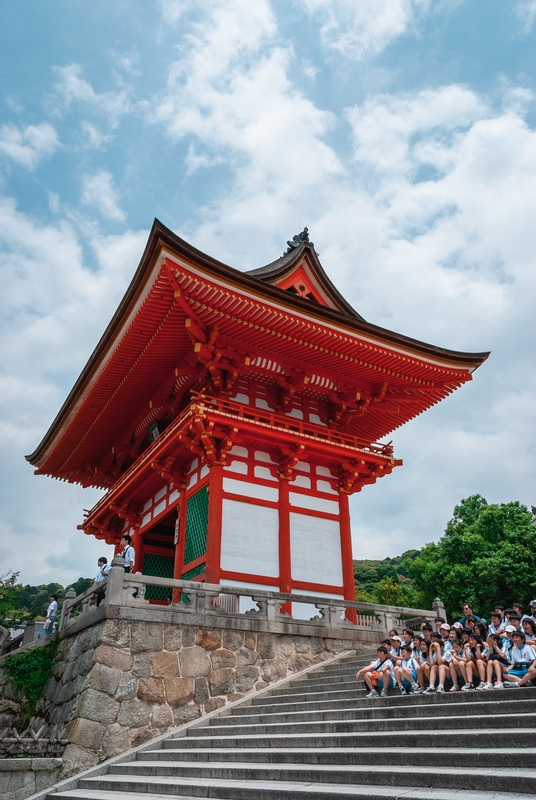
[(426, 631), (444, 630), (466, 633), (406, 671), (438, 668), (378, 674), (470, 621), (476, 653), (497, 662), (518, 609), (425, 665), (417, 649), (456, 661), (515, 620), (438, 622), (529, 629), (522, 660), (497, 624), (507, 614), (396, 644)]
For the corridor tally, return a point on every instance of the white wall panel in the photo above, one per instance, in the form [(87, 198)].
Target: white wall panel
[(250, 539), (314, 503), (255, 490), (315, 548)]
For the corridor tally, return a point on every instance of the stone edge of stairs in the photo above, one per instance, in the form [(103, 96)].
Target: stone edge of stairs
[(182, 730)]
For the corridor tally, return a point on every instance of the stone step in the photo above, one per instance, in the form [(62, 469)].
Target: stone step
[(456, 778), (379, 723), (423, 757), (443, 737), (286, 791), (371, 710), (500, 778), (394, 700)]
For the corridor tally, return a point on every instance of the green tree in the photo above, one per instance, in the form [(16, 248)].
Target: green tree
[(487, 556), (10, 614)]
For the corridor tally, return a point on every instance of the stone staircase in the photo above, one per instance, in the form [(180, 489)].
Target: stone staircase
[(319, 737)]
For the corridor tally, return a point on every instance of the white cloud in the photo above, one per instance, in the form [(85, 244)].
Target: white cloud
[(29, 145), (53, 309), (364, 28), (526, 11), (98, 190), (72, 88)]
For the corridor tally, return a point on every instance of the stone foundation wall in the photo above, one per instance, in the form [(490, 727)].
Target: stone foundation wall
[(130, 675), (22, 777)]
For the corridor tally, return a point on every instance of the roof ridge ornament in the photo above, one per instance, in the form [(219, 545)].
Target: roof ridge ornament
[(297, 240)]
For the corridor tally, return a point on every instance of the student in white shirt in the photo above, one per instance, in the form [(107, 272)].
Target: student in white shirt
[(529, 629), (52, 612), (103, 568), (522, 658), (378, 674), (497, 623), (406, 671), (127, 553)]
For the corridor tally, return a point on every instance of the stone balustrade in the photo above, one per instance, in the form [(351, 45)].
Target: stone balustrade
[(210, 601)]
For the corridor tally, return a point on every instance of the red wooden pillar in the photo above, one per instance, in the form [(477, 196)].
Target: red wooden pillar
[(179, 546), (215, 502), (137, 544), (346, 553), (285, 576)]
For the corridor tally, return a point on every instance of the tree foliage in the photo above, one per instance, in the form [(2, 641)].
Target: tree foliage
[(11, 614), (487, 556), (30, 671)]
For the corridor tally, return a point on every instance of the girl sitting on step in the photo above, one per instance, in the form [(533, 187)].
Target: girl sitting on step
[(423, 672), (476, 652), (456, 661), (496, 664)]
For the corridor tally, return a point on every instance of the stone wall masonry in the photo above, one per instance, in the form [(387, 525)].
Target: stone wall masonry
[(132, 674), (22, 777)]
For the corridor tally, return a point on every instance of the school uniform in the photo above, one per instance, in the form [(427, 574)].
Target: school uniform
[(519, 655), (380, 666), (411, 664)]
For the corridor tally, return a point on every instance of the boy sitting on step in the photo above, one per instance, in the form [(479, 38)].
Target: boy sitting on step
[(522, 660), (379, 674), (406, 671)]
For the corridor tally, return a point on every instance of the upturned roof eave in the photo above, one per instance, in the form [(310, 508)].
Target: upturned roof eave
[(162, 237)]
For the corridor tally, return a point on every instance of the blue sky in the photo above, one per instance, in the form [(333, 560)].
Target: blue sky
[(402, 132)]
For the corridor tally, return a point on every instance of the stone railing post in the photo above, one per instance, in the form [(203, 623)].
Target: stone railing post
[(439, 608), (114, 588), (70, 594)]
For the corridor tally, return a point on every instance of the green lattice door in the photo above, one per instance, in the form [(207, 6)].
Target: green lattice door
[(161, 567), (196, 526)]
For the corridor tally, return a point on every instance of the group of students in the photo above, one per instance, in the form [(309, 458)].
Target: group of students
[(469, 654)]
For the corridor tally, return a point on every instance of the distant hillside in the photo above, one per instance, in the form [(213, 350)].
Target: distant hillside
[(386, 581)]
